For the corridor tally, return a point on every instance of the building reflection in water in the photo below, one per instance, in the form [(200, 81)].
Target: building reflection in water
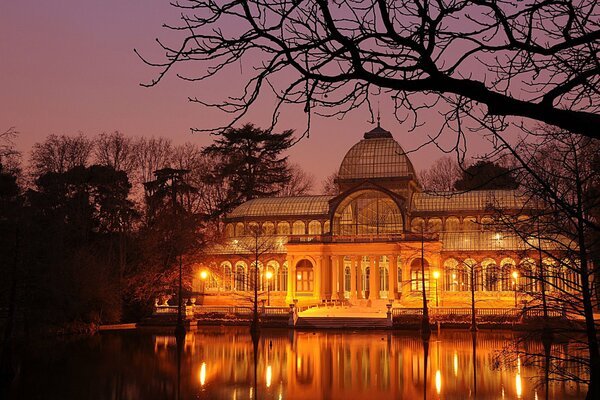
[(219, 363), (359, 365)]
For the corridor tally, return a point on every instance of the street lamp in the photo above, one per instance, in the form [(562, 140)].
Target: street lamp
[(515, 276), (269, 276), (203, 276), (436, 275)]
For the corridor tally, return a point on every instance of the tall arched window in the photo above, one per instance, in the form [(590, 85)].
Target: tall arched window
[(227, 275), (384, 281), (491, 276), (304, 276), (452, 277), (367, 212), (240, 277), (507, 266), (283, 278), (416, 276)]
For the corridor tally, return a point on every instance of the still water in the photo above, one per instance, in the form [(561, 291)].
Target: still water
[(221, 363)]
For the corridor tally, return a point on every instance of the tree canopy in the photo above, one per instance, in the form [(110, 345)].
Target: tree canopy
[(486, 175), (251, 163), (485, 60)]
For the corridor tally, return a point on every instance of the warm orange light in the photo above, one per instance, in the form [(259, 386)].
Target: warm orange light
[(455, 364), (203, 374), (438, 381), (436, 274), (203, 274), (269, 275), (269, 375), (299, 276), (515, 275)]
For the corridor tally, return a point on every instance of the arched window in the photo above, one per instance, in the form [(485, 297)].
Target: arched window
[(239, 229), (299, 228), (253, 229), (326, 227), (452, 224), (491, 275), (470, 224), (314, 228), (529, 274), (283, 228), (240, 277), (227, 275), (549, 270), (269, 276), (452, 278), (304, 276), (347, 276), (487, 223), (417, 224), (384, 281), (268, 228), (229, 231), (367, 212), (283, 278), (471, 267), (434, 225), (507, 267), (416, 274)]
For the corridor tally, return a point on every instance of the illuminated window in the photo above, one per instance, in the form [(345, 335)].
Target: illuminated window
[(304, 276)]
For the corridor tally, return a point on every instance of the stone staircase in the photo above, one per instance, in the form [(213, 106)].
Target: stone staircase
[(342, 323)]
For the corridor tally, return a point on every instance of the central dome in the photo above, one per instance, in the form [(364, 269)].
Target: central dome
[(378, 155)]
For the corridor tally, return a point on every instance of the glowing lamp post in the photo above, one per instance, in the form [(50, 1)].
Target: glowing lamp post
[(269, 276), (436, 276), (203, 276), (515, 276)]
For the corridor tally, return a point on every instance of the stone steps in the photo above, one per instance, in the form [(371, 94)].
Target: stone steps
[(342, 323)]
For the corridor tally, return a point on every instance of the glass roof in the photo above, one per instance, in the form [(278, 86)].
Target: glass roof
[(477, 200), (247, 245), (486, 240), (376, 157), (283, 206)]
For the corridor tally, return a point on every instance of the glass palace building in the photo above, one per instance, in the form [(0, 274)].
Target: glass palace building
[(369, 241)]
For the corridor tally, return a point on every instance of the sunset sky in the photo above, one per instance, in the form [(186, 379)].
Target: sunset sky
[(68, 66)]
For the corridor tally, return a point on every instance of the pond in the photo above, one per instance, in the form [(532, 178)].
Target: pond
[(220, 363)]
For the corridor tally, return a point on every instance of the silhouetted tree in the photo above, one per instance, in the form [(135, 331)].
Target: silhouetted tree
[(300, 183), (117, 151), (329, 187), (251, 162), (558, 173), (538, 60), (486, 175), (58, 154), (441, 176)]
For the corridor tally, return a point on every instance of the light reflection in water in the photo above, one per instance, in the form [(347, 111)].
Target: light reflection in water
[(202, 374), (268, 379), (455, 363), (219, 363), (518, 387)]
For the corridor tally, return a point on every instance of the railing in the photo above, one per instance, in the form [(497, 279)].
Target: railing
[(360, 238), (240, 310), (466, 311)]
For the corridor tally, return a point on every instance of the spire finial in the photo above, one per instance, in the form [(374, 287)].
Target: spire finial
[(378, 116)]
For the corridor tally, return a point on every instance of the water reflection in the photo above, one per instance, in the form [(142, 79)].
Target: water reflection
[(225, 363)]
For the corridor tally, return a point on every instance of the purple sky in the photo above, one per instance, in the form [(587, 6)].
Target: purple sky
[(68, 66)]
